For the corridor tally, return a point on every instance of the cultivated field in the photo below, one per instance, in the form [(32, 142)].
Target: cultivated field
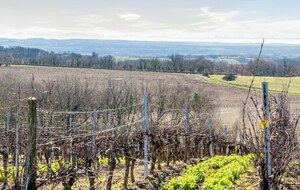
[(228, 97)]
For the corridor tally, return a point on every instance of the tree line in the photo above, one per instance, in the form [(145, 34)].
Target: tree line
[(171, 63)]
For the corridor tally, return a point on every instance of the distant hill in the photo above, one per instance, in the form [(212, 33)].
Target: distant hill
[(122, 48)]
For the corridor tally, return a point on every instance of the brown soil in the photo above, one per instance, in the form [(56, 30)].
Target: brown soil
[(228, 99)]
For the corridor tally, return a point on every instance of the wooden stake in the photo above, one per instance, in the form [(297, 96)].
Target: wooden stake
[(31, 162), (267, 133), (146, 123)]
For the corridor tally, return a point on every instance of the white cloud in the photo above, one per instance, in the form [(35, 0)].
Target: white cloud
[(203, 24), (90, 20), (207, 13), (128, 16)]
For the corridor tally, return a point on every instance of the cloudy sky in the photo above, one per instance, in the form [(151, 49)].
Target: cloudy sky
[(179, 20)]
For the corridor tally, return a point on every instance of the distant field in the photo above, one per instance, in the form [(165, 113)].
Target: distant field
[(138, 58), (276, 84)]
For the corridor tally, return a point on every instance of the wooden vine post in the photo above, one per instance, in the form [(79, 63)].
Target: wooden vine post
[(187, 131), (6, 151), (146, 123), (94, 133), (17, 185), (210, 131), (267, 134), (31, 162), (93, 160), (71, 140)]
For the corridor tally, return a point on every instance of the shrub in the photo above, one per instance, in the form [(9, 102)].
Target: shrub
[(206, 74), (229, 77)]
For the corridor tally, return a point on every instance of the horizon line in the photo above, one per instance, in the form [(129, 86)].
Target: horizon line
[(229, 41)]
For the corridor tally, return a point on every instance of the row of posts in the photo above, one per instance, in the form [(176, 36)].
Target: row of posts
[(187, 131), (31, 162), (266, 111), (7, 128)]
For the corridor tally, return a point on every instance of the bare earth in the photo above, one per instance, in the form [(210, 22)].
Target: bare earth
[(228, 100)]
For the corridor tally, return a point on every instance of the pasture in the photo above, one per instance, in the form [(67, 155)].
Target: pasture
[(276, 84)]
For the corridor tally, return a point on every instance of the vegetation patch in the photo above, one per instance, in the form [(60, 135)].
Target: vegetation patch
[(225, 177), (276, 84), (229, 77), (210, 171)]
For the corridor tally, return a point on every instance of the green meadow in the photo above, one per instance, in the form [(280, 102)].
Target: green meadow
[(276, 84)]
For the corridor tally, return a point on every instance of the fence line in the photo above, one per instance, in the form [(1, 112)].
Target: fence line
[(88, 111), (13, 106), (75, 140), (89, 134)]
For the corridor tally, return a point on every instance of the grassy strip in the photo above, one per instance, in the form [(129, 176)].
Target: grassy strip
[(198, 173), (276, 84), (10, 172), (247, 181), (225, 177), (55, 166)]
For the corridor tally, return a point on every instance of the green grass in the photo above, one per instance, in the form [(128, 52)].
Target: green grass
[(10, 172), (219, 172), (104, 161), (247, 181), (42, 169), (276, 84), (226, 176)]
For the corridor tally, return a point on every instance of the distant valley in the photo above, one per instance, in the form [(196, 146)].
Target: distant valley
[(123, 48)]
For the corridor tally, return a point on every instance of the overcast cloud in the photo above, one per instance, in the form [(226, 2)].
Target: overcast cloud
[(180, 20)]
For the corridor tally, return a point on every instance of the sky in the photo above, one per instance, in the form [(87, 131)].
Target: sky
[(159, 20)]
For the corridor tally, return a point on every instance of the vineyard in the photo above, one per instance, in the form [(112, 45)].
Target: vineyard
[(76, 147), (65, 134), (149, 95), (45, 146)]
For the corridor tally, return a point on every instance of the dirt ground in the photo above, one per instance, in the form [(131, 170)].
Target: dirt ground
[(227, 99)]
